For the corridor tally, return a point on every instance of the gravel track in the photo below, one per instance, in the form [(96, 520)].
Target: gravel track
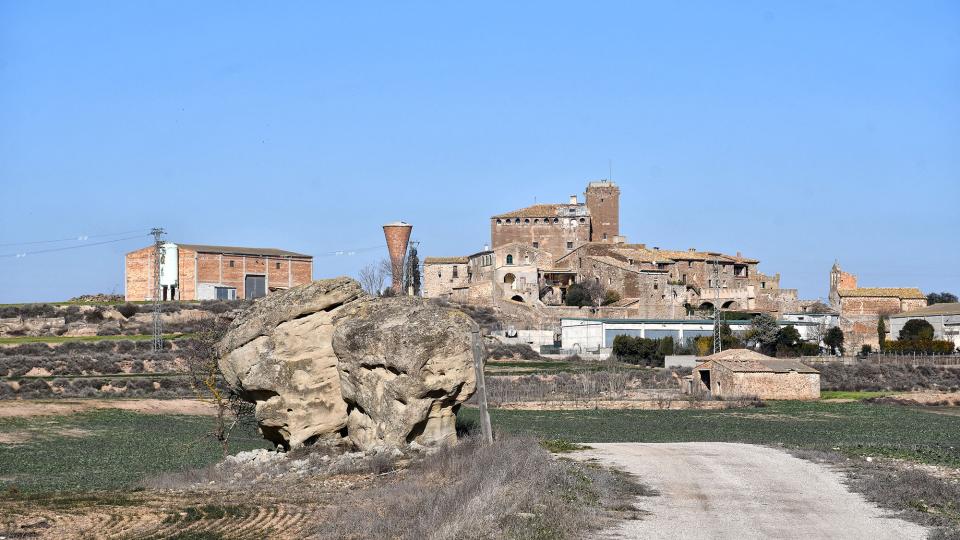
[(727, 490)]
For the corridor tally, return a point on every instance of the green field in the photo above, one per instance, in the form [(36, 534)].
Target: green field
[(106, 449), (111, 449), (855, 428), (862, 394), (64, 339)]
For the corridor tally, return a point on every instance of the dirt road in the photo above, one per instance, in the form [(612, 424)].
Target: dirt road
[(724, 490)]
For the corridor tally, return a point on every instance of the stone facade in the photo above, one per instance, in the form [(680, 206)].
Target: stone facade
[(201, 270), (740, 373), (603, 201), (541, 250), (860, 308)]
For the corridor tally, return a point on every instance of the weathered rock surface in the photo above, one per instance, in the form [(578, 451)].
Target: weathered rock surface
[(405, 367), (323, 361), (279, 355)]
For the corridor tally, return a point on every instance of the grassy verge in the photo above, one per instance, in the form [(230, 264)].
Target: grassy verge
[(67, 339), (915, 494), (852, 428), (105, 449)]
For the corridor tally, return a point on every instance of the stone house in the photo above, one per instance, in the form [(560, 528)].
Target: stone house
[(203, 272), (742, 373)]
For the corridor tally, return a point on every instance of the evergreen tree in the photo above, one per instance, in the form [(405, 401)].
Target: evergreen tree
[(834, 339), (882, 334)]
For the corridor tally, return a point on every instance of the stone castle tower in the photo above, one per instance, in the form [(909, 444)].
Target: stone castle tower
[(603, 201)]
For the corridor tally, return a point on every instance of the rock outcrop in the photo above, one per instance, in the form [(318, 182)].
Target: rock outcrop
[(405, 367), (323, 361)]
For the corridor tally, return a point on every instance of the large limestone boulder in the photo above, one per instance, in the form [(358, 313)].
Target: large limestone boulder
[(405, 367), (279, 355), (324, 361)]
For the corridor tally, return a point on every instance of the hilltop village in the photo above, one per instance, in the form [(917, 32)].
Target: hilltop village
[(539, 253)]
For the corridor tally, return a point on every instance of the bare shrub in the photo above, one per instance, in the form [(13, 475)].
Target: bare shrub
[(503, 351), (890, 377)]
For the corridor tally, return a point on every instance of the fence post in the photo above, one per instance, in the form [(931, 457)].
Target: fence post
[(478, 356)]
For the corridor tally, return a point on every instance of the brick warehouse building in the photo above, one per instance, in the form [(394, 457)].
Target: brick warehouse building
[(200, 272)]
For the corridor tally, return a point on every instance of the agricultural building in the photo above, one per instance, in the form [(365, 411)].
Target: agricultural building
[(742, 373), (945, 319), (200, 272)]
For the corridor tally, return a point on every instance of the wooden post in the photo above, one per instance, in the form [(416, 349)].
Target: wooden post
[(478, 357)]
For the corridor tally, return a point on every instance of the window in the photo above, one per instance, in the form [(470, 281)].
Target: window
[(572, 210), (526, 220), (499, 222), (630, 262), (278, 266), (556, 220), (656, 285), (455, 272), (231, 264), (604, 236), (509, 259), (225, 293), (517, 221), (684, 278), (689, 264), (763, 284), (569, 245), (536, 244), (582, 220)]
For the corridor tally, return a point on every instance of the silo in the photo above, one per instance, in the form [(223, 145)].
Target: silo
[(398, 236), (169, 265)]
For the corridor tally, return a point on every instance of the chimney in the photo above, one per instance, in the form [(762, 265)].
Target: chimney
[(398, 235), (573, 199), (692, 250), (486, 247)]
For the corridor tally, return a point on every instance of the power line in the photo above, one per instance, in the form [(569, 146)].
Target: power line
[(79, 238), (51, 250)]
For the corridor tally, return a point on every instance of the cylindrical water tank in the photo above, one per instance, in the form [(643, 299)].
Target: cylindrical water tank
[(169, 264)]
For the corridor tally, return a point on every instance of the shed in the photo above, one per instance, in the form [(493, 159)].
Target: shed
[(742, 373)]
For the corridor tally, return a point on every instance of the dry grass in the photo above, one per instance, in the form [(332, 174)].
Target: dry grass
[(511, 489), (915, 494)]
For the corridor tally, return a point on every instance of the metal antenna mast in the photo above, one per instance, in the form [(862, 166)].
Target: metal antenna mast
[(157, 233), (717, 341)]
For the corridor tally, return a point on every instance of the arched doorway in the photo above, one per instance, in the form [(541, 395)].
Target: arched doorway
[(509, 279), (706, 306), (732, 304), (517, 298)]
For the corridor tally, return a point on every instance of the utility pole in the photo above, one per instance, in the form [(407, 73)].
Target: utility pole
[(157, 233), (717, 341)]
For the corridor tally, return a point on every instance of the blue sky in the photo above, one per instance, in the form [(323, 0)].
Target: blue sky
[(797, 133)]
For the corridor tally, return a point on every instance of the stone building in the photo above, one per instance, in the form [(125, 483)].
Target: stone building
[(561, 228), (539, 251), (201, 272), (860, 308), (742, 373)]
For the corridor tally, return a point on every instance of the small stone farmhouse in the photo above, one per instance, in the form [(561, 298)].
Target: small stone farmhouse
[(742, 373)]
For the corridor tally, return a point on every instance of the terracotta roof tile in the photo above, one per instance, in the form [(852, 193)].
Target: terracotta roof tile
[(883, 292), (537, 210), (445, 260)]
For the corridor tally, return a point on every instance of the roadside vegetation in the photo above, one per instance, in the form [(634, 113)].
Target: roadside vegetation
[(849, 428), (913, 493)]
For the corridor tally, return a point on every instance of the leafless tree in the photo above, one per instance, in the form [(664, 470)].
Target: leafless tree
[(596, 291), (210, 385), (374, 275)]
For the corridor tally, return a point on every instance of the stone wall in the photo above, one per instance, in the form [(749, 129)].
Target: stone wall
[(603, 201), (729, 384), (552, 234)]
